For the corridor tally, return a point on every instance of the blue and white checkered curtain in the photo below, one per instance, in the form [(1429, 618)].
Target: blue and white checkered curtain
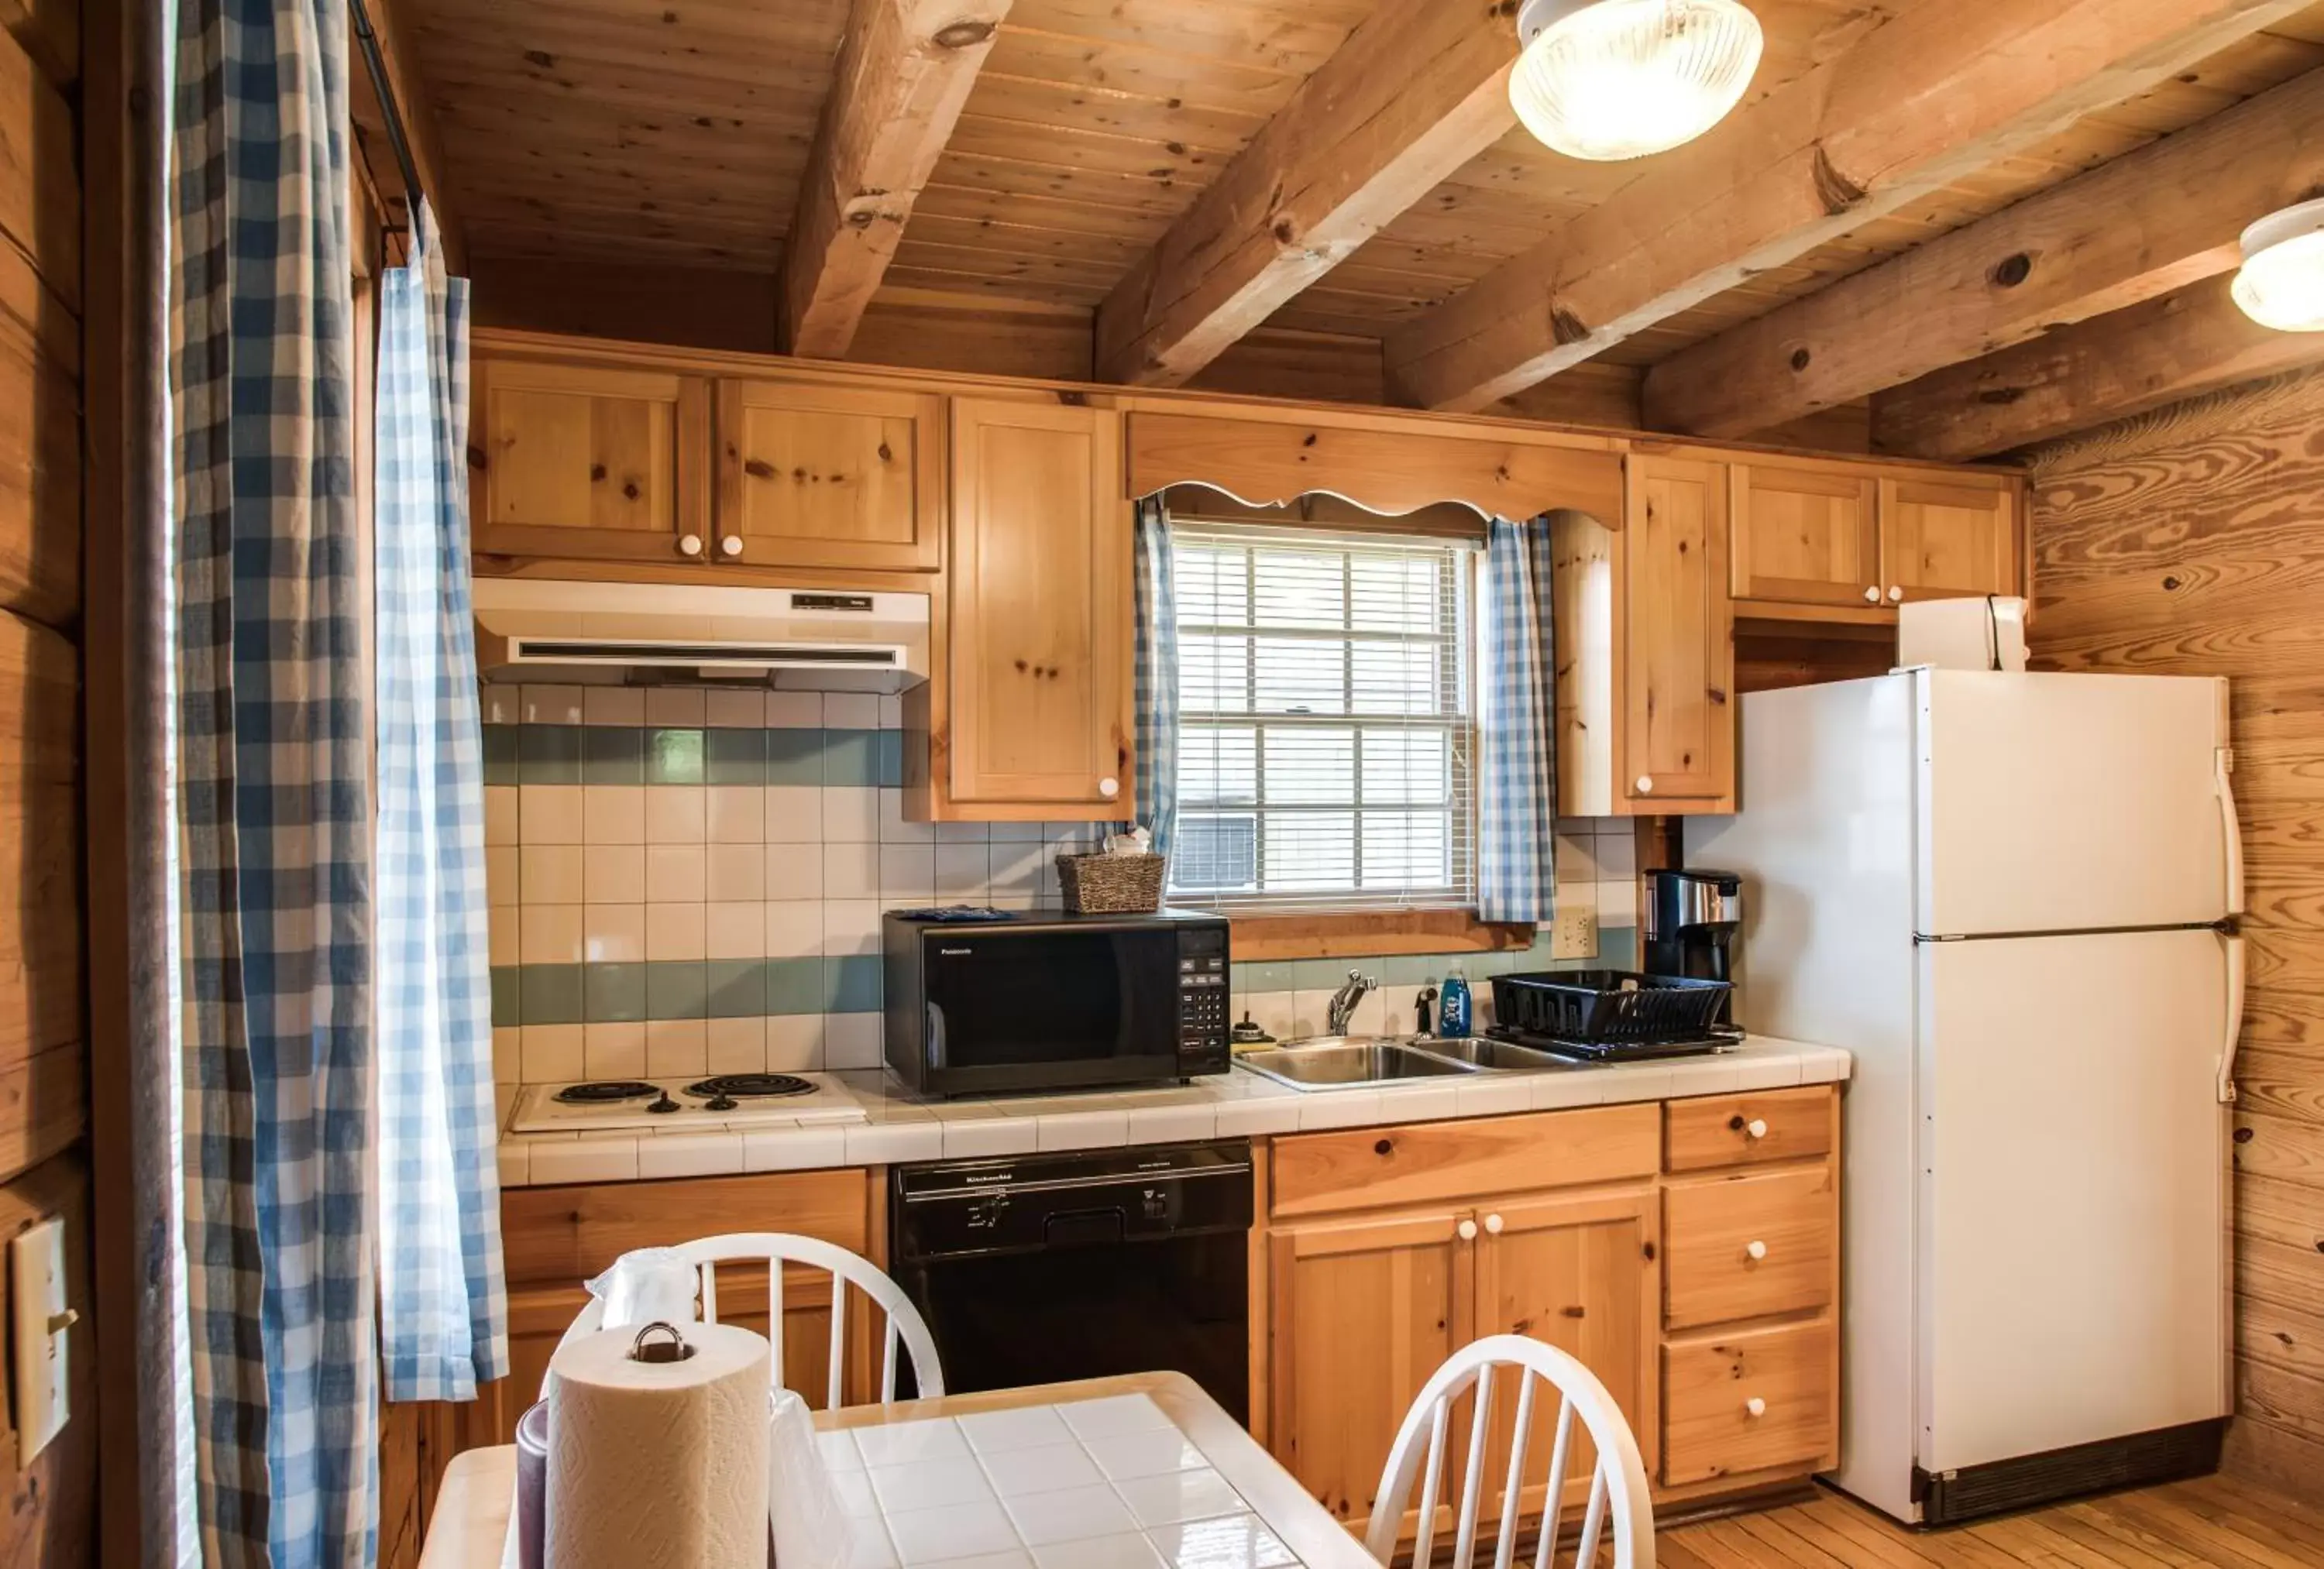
[(274, 794), (443, 1306), (1157, 684), (1517, 775)]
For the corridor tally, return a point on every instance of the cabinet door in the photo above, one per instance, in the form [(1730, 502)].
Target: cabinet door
[(1678, 653), (1945, 538), (1042, 616), (829, 476), (1580, 1274), (1806, 536), (588, 462), (1363, 1312)]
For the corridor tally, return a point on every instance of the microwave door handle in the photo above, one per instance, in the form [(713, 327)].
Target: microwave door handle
[(935, 1036)]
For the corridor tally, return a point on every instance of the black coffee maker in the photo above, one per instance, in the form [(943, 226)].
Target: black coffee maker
[(1689, 923)]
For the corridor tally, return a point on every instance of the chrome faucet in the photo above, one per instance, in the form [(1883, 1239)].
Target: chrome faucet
[(1343, 1005)]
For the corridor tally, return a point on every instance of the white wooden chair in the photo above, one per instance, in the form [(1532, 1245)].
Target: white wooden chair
[(774, 1249), (1618, 1488)]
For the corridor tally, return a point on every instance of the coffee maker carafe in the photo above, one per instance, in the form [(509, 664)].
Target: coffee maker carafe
[(1690, 921)]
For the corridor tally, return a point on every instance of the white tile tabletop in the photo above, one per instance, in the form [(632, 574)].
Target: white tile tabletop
[(899, 1127)]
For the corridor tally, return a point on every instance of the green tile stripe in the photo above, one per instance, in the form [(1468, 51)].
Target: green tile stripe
[(690, 755), (717, 988)]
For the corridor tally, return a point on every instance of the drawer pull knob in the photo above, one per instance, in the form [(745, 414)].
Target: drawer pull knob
[(1467, 1231), (689, 545), (1755, 1128), (730, 544), (1756, 1251), (1493, 1225), (1646, 784), (1109, 788), (1755, 1406), (1894, 593), (1873, 595)]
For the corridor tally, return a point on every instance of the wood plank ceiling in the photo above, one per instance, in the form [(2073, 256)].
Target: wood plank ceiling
[(675, 133)]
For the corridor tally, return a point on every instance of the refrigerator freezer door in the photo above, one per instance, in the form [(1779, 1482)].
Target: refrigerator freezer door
[(2055, 802), (2073, 1280)]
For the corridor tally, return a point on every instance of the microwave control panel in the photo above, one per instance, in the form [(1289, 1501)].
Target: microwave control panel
[(1203, 994)]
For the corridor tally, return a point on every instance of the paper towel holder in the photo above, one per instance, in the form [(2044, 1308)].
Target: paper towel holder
[(674, 1349)]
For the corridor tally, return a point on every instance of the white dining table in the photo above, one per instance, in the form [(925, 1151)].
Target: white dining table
[(1141, 1472)]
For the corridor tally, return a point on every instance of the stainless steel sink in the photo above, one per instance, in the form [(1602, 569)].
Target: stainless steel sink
[(1337, 1063), (1482, 1051)]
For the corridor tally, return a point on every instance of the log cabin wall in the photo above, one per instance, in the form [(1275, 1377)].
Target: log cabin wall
[(2191, 541), (50, 1519)]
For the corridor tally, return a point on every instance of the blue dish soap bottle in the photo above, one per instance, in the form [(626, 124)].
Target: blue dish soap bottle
[(1452, 1006)]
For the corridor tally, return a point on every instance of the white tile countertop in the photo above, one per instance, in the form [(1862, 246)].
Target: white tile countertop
[(899, 1127)]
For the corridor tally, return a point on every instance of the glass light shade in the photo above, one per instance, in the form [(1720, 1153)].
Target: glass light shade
[(2281, 283), (1622, 79)]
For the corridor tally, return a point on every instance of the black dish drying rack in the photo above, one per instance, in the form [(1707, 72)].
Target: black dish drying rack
[(1612, 1015)]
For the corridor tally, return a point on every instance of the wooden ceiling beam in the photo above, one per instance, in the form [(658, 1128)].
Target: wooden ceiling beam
[(2105, 369), (1417, 90), (2143, 224), (904, 72), (1929, 96)]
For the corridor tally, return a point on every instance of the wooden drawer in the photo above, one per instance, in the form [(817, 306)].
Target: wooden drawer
[(1709, 1427), (1718, 1130), (561, 1236), (1709, 1230), (1432, 1163)]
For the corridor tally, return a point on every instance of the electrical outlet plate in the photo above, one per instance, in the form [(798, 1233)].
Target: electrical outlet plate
[(1575, 934), (36, 1260)]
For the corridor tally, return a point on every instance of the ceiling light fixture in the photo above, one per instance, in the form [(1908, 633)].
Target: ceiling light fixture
[(2281, 283), (1607, 80)]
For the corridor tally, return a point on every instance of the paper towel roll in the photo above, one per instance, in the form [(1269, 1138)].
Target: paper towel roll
[(659, 1464)]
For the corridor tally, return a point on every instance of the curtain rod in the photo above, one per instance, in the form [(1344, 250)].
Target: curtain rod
[(376, 65)]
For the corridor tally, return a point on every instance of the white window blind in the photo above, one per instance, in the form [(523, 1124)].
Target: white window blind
[(1325, 743)]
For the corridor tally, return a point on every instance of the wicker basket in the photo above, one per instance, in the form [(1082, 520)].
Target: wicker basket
[(1110, 885)]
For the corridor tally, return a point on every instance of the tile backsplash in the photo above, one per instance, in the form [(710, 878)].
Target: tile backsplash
[(689, 880)]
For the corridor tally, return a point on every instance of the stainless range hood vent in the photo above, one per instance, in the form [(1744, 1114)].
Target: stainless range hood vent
[(795, 638)]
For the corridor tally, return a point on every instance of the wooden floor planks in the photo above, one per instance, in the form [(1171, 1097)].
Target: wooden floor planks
[(2214, 1523)]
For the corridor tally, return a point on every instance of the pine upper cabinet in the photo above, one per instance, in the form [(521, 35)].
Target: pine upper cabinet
[(1363, 1311), (1041, 620), (1947, 535), (812, 475), (1804, 535), (589, 461), (1676, 663)]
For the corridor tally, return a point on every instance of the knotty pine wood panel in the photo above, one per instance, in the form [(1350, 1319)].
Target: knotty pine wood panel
[(2191, 541)]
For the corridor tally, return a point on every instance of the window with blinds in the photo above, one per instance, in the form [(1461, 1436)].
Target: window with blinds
[(1325, 742)]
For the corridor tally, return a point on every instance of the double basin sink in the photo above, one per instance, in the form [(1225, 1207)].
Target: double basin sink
[(1353, 1061)]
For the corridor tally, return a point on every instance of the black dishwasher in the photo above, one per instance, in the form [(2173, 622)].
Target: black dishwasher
[(1076, 1265)]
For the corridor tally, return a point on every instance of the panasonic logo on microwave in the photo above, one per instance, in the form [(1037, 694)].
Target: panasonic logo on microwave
[(953, 952)]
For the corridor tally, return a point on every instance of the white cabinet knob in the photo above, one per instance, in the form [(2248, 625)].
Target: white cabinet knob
[(1755, 1251), (1755, 1128), (731, 545), (1646, 784), (1755, 1406), (1467, 1231), (1109, 788), (689, 545), (1894, 593), (1493, 1224), (1872, 596)]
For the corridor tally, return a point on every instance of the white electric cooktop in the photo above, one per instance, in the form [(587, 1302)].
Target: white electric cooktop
[(720, 1100)]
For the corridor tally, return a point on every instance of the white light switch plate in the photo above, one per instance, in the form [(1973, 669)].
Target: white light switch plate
[(36, 1260)]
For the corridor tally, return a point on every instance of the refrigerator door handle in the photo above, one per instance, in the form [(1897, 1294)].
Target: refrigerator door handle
[(2230, 832), (2235, 1020)]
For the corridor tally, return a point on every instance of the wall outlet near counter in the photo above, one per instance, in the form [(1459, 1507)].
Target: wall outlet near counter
[(1574, 934)]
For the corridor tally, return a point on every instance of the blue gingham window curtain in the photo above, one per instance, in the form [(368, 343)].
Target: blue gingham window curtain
[(274, 793), (1517, 775), (443, 1306), (1156, 693)]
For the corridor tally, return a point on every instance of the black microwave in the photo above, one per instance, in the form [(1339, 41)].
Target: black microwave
[(1048, 1000)]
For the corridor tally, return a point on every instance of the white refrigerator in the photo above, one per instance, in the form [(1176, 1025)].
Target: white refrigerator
[(2012, 896)]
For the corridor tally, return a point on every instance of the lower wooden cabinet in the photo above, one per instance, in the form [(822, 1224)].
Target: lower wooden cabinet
[(1706, 1298)]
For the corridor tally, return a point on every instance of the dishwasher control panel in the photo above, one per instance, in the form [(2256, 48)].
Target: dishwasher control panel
[(1068, 1198), (1205, 988)]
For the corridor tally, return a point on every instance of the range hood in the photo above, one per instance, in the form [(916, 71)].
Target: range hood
[(816, 639)]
